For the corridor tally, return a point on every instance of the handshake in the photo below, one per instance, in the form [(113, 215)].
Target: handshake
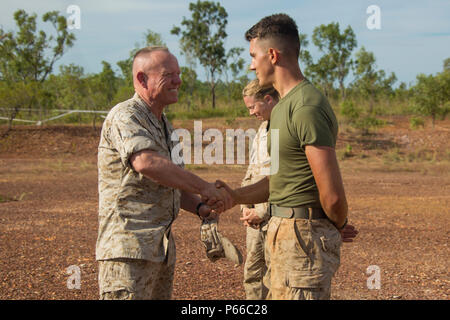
[(218, 197)]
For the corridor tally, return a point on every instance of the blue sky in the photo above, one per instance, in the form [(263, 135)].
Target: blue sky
[(414, 36)]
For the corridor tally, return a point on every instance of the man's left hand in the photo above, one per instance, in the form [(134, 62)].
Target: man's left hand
[(348, 233), (250, 218)]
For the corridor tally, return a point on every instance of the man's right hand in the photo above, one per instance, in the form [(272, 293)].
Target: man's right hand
[(251, 194), (231, 194), (218, 199)]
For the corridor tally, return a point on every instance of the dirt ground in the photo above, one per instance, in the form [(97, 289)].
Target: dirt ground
[(397, 182)]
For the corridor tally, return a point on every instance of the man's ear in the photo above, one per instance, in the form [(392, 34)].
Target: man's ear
[(268, 99), (142, 78), (274, 55)]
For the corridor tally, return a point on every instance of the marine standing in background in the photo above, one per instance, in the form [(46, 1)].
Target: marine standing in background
[(260, 102)]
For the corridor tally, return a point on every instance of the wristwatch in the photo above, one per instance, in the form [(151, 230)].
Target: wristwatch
[(198, 208), (345, 223)]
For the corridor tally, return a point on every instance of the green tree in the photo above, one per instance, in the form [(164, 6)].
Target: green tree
[(24, 55), (304, 54), (337, 48), (28, 56), (447, 65), (203, 35), (13, 96), (235, 64), (369, 85), (151, 38), (319, 73), (108, 82), (102, 88), (370, 82), (69, 87), (402, 92), (188, 81), (432, 95), (188, 74)]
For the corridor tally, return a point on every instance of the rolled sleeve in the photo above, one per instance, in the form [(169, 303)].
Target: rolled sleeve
[(129, 137)]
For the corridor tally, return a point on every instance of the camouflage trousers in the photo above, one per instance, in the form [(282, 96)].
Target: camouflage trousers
[(304, 256), (136, 279), (255, 268)]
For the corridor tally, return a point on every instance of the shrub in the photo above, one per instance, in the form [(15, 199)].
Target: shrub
[(415, 123)]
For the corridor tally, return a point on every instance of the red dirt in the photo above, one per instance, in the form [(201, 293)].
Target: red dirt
[(398, 197)]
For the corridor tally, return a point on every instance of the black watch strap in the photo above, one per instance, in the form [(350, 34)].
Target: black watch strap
[(345, 223), (198, 208)]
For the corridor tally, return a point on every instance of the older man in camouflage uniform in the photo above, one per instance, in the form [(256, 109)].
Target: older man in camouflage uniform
[(260, 102), (140, 189)]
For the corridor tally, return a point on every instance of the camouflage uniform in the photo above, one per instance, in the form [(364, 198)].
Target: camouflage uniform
[(255, 264), (304, 245), (306, 253), (135, 247)]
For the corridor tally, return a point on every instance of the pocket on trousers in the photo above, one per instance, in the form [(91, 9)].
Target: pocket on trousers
[(117, 275), (302, 236), (308, 279)]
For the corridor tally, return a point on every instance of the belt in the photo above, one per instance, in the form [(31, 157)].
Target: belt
[(298, 212)]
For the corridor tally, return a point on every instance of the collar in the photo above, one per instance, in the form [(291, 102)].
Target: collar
[(155, 121)]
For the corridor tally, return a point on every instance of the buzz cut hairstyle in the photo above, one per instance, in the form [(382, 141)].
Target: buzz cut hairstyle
[(279, 27), (148, 50), (253, 89)]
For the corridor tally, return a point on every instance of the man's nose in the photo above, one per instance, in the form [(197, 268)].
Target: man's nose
[(177, 80)]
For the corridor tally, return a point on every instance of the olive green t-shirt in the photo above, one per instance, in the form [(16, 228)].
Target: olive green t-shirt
[(302, 117)]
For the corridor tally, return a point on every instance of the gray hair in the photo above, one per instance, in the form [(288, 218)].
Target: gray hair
[(148, 50)]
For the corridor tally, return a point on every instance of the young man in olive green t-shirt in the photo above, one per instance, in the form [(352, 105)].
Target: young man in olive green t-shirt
[(308, 203), (309, 120)]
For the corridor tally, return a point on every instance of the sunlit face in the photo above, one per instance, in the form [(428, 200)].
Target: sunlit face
[(261, 109), (261, 62), (163, 79)]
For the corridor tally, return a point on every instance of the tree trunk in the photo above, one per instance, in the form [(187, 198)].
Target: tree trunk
[(325, 91), (213, 93), (371, 102), (341, 83), (12, 116), (213, 88), (189, 103)]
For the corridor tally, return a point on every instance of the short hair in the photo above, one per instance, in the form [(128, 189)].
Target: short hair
[(148, 50), (279, 27), (254, 89)]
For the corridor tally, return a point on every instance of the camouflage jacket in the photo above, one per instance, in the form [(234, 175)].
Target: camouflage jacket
[(258, 168), (135, 213)]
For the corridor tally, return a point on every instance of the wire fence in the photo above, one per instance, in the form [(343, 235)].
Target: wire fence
[(35, 115)]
